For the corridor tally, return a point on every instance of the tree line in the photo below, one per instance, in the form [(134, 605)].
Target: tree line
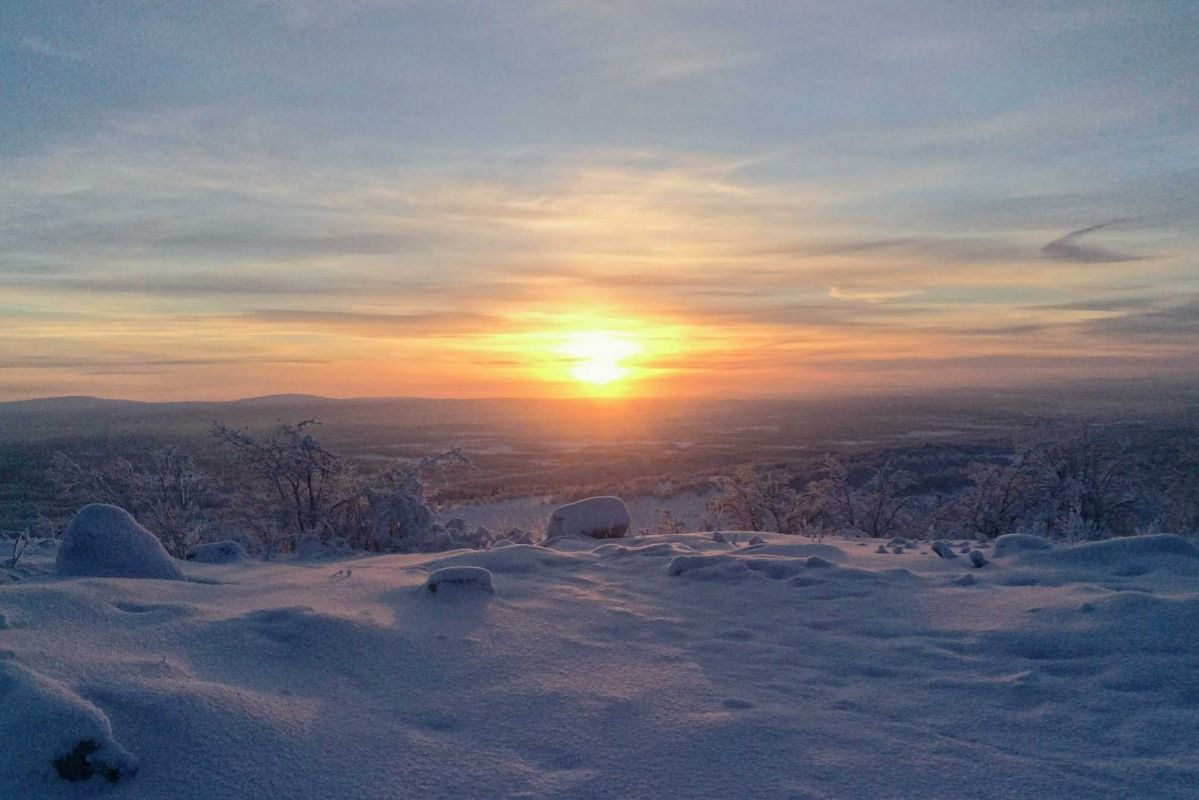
[(1078, 483)]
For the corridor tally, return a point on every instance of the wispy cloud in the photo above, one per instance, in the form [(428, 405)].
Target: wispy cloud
[(1070, 248), (867, 295)]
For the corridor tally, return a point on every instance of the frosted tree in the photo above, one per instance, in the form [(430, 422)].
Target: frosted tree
[(287, 483), (167, 491), (1000, 498), (756, 500)]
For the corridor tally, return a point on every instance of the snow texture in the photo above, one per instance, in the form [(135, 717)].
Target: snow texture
[(596, 517), (465, 577), (641, 668), (106, 541), (217, 553)]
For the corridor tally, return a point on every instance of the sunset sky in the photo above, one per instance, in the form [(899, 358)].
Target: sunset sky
[(226, 199)]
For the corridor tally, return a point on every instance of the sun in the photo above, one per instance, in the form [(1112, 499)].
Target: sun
[(596, 356)]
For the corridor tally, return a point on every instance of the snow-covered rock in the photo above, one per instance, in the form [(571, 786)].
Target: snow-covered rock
[(977, 559), (596, 517), (228, 552), (467, 577), (106, 541), (1012, 543), (48, 733), (943, 549)]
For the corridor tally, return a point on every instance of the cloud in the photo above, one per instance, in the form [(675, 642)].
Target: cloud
[(382, 325), (1176, 322), (141, 364), (868, 296), (1109, 304), (1068, 248), (182, 285)]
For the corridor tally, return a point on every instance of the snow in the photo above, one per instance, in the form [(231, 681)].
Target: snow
[(1013, 543), (645, 667), (104, 540), (44, 723), (464, 577), (596, 517)]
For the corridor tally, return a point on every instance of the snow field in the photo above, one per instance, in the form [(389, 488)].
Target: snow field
[(647, 667)]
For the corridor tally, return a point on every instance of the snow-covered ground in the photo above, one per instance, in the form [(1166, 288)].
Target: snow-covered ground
[(664, 667)]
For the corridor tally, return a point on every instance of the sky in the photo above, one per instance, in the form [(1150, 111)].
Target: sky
[(228, 199)]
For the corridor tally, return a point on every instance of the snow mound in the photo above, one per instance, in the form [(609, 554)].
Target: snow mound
[(218, 553), (1131, 556), (1012, 543), (683, 564), (977, 559), (1126, 627), (740, 565), (798, 550), (106, 541), (597, 517), (653, 549), (516, 558), (476, 578), (48, 732)]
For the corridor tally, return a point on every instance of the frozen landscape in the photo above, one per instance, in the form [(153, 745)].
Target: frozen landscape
[(684, 666), (599, 400)]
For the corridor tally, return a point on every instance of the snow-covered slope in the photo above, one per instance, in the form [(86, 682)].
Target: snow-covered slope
[(664, 667)]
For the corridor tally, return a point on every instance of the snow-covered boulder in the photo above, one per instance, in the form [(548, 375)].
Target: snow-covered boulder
[(229, 552), (48, 732), (106, 541), (943, 549), (467, 577), (1012, 543), (977, 559), (597, 517)]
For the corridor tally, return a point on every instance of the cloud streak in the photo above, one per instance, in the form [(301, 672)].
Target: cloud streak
[(1070, 248)]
